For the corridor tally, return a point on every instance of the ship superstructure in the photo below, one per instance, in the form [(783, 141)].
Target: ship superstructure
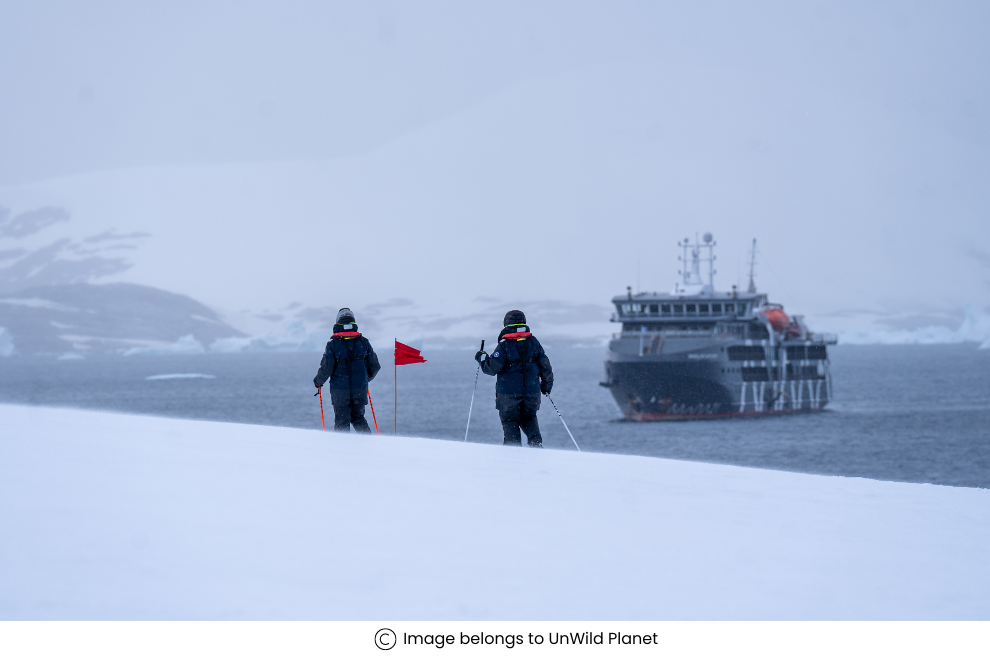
[(697, 352)]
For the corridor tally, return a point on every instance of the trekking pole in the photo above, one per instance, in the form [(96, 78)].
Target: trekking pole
[(319, 392), (373, 412), (563, 422), (473, 393)]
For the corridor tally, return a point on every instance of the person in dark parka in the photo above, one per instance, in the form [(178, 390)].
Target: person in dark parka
[(523, 372), (349, 362)]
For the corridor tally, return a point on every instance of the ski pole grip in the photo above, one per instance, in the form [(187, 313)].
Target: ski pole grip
[(482, 344)]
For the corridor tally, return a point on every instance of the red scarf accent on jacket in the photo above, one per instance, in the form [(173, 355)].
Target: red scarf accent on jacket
[(345, 335), (516, 335)]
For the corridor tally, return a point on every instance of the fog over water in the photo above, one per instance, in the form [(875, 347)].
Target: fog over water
[(436, 163)]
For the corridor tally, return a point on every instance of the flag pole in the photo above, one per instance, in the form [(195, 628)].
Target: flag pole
[(395, 395)]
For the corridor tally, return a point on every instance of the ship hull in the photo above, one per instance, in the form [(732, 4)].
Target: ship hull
[(678, 417), (648, 388)]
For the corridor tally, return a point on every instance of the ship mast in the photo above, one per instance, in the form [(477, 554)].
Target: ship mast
[(752, 269)]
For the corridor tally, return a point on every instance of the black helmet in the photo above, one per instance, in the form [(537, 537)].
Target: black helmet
[(514, 317), (345, 316)]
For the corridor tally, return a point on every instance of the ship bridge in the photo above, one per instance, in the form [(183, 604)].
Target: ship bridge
[(726, 306), (692, 297)]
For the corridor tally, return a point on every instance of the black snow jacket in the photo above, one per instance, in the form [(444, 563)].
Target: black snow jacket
[(521, 365), (349, 363)]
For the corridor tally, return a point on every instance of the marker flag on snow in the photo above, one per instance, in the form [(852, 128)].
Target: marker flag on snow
[(403, 355), (406, 354)]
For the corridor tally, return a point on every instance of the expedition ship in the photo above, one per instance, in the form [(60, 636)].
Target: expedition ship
[(697, 353)]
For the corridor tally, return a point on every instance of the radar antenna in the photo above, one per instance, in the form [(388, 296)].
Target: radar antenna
[(693, 283), (752, 269)]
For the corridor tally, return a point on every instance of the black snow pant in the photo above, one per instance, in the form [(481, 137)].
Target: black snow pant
[(520, 416), (351, 413)]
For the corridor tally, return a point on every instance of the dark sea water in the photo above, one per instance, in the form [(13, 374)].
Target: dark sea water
[(903, 413)]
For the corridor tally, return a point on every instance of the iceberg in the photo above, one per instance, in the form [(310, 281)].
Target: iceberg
[(975, 327), (6, 343), (294, 337), (185, 345)]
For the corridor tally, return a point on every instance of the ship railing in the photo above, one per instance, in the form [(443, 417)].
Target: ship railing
[(824, 337), (678, 318), (635, 334)]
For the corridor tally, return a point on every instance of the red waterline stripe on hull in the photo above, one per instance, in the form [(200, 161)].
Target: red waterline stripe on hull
[(671, 417)]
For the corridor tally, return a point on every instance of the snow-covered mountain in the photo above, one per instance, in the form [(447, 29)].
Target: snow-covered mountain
[(78, 319)]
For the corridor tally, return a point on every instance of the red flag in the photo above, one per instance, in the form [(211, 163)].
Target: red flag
[(406, 354)]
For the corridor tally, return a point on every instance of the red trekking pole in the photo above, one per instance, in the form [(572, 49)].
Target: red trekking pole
[(373, 412), (322, 421)]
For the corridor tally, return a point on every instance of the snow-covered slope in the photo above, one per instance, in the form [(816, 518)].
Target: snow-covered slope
[(122, 517)]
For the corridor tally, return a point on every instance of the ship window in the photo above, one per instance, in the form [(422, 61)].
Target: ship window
[(803, 372), (678, 309), (626, 308), (758, 332), (730, 307), (690, 309), (745, 353), (665, 309), (717, 308), (653, 309), (751, 374)]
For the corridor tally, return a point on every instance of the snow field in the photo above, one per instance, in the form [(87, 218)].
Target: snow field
[(110, 516)]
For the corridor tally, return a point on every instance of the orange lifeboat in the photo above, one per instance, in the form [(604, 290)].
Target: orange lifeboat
[(779, 321)]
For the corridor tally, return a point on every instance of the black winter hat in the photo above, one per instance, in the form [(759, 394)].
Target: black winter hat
[(514, 317), (345, 316)]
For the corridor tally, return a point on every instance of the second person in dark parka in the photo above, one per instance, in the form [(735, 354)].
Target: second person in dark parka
[(523, 372), (349, 362)]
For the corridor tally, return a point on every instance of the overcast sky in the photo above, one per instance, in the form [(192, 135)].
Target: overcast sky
[(577, 139), (92, 85)]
